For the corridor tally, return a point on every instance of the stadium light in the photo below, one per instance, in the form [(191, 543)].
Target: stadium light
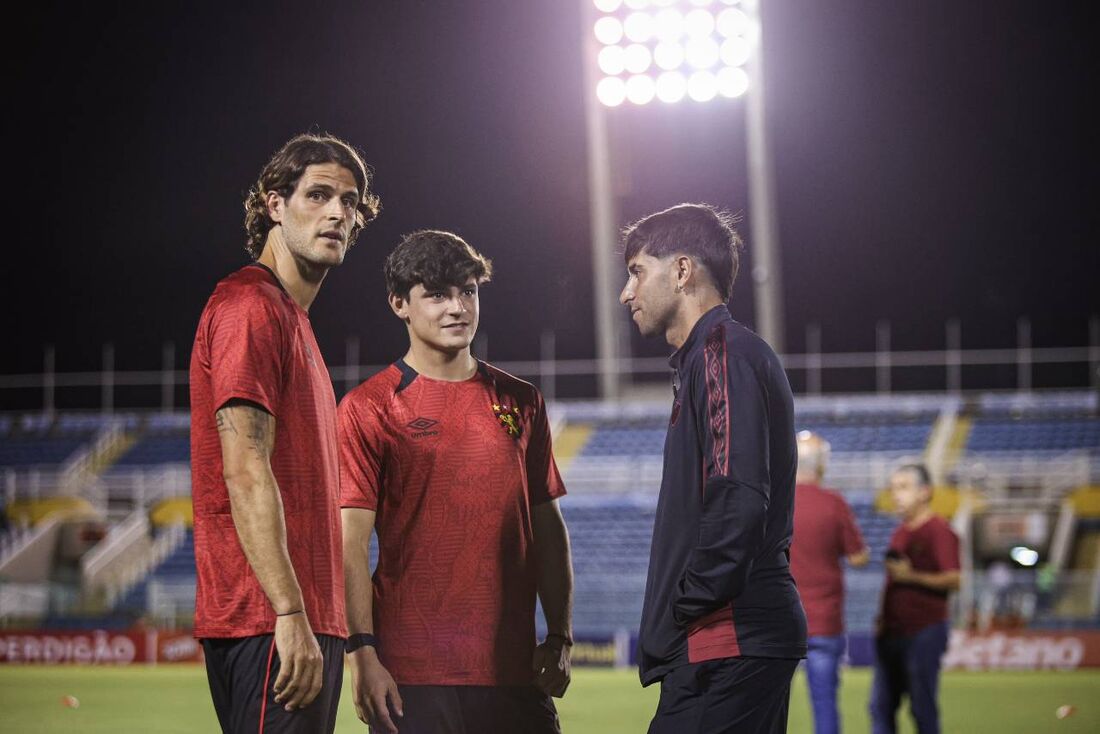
[(1025, 556), (711, 36), (670, 52)]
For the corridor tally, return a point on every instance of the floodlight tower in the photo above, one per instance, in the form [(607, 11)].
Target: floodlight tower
[(668, 51)]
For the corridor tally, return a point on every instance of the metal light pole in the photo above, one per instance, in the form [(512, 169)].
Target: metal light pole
[(764, 226)]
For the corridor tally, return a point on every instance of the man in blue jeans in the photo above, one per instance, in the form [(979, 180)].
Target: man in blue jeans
[(825, 531), (922, 567)]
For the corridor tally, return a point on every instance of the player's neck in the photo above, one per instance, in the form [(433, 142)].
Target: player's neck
[(300, 279), (919, 517), (694, 304), (441, 365)]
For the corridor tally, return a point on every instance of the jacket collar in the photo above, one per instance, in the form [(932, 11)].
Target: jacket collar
[(705, 323)]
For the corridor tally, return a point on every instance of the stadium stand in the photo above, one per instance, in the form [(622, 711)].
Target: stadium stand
[(610, 456)]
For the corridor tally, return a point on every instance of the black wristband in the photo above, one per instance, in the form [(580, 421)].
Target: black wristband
[(288, 614), (566, 640), (362, 639)]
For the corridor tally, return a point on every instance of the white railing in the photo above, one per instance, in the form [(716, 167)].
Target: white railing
[(23, 600), (170, 602), (139, 568), (121, 540), (1047, 476), (880, 365), (144, 486), (81, 465), (27, 538), (614, 474)]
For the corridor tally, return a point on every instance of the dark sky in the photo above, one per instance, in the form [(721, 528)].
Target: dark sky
[(932, 160)]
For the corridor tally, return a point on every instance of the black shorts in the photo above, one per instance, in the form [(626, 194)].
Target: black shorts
[(476, 710), (242, 673), (743, 695)]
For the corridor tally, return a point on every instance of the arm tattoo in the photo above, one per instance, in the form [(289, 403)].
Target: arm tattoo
[(259, 431), (225, 423)]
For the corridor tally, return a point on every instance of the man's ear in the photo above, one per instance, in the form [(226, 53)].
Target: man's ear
[(684, 271), (275, 206), (400, 306)]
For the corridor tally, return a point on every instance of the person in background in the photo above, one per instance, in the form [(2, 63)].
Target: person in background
[(825, 533), (922, 567)]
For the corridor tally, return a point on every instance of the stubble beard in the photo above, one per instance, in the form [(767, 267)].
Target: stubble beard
[(312, 266)]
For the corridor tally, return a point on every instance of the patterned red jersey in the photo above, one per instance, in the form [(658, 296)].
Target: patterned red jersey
[(909, 608), (255, 343), (824, 531), (452, 470)]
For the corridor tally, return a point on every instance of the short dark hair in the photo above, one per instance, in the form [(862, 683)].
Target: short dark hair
[(701, 231), (434, 259), (282, 173), (924, 477)]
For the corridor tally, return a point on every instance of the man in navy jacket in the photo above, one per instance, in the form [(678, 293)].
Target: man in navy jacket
[(722, 624)]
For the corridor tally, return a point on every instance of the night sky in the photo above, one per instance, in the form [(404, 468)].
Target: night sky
[(932, 160)]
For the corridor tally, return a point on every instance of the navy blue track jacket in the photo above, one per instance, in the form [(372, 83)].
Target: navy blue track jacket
[(719, 582)]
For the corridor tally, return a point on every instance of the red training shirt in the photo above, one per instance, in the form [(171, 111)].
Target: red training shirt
[(909, 608), (824, 532), (255, 343), (454, 590)]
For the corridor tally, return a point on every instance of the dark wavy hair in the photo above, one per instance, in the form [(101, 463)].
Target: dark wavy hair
[(701, 231), (434, 259), (281, 175)]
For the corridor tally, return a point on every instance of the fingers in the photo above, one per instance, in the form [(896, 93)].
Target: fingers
[(315, 681), (395, 697), (283, 682), (301, 674), (381, 719), (306, 683), (362, 710)]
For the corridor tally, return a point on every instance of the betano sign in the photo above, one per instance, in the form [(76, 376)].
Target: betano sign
[(1024, 650)]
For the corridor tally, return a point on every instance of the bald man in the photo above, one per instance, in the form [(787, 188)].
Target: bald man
[(825, 531)]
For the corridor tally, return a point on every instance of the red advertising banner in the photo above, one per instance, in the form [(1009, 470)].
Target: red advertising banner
[(102, 647), (178, 647), (1023, 650)]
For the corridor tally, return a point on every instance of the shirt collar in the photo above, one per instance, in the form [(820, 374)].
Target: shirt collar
[(717, 314)]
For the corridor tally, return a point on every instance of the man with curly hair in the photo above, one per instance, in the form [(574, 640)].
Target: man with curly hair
[(269, 606), (449, 460)]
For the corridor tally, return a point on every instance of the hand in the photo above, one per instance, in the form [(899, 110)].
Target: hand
[(374, 691), (900, 569), (300, 662), (552, 667)]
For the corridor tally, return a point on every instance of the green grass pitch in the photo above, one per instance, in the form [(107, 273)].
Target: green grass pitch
[(174, 698)]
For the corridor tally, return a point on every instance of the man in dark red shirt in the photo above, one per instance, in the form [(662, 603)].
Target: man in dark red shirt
[(825, 531), (922, 567), (269, 606), (449, 459)]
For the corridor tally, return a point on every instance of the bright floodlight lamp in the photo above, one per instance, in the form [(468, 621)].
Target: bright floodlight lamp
[(706, 42), (669, 51), (638, 27)]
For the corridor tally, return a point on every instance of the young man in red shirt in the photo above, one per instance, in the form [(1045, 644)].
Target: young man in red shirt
[(449, 460), (922, 567), (825, 531), (269, 606)]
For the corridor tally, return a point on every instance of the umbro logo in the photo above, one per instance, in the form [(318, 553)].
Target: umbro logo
[(421, 427)]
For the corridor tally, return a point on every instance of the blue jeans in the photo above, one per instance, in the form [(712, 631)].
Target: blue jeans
[(908, 665), (823, 656)]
